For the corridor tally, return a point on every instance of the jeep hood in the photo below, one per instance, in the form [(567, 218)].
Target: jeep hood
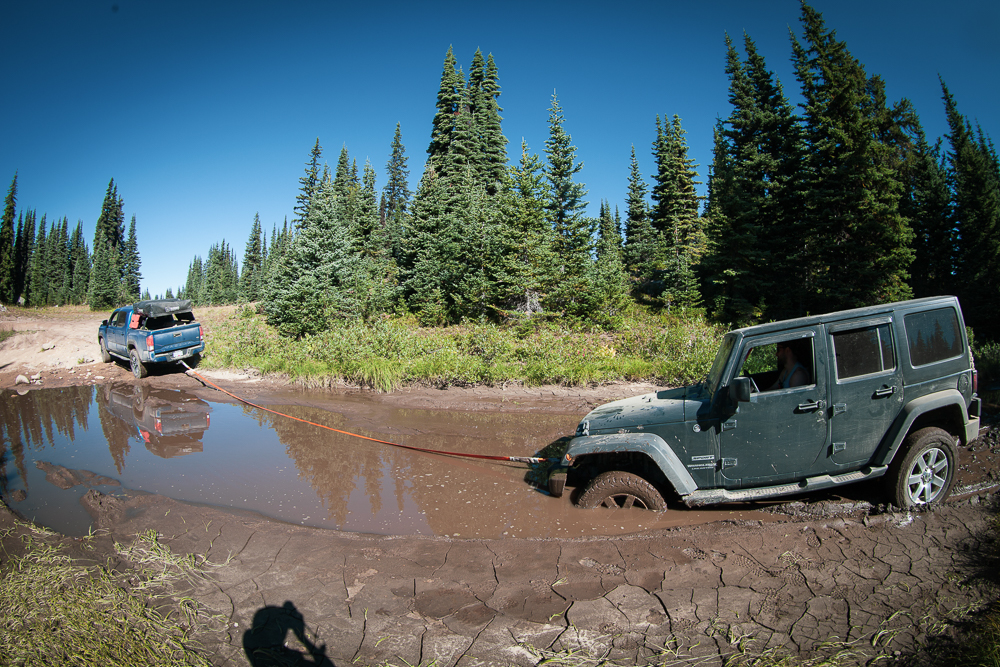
[(661, 407)]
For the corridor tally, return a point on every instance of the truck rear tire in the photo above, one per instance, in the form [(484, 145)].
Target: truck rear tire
[(924, 470), (621, 489), (138, 369)]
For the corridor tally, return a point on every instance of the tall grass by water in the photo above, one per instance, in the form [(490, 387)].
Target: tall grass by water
[(389, 352)]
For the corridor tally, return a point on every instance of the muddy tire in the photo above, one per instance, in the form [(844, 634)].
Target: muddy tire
[(924, 469), (105, 355), (621, 489), (138, 368)]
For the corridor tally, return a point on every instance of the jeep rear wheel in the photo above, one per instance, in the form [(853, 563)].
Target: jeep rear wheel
[(621, 489), (925, 471)]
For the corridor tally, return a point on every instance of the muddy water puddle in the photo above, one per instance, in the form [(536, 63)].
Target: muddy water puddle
[(59, 443)]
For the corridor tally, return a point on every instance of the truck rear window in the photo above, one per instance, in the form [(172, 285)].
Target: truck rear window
[(933, 336)]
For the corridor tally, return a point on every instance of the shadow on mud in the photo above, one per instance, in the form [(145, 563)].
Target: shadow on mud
[(265, 642)]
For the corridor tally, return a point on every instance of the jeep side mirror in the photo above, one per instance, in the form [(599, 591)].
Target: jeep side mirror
[(739, 390)]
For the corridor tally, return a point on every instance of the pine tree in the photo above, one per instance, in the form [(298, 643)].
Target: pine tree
[(396, 193), (105, 287), (24, 261), (525, 238), (573, 230), (308, 184), (753, 238), (929, 210), (643, 252), (8, 262), (132, 275), (859, 247), (449, 99), (608, 279), (109, 231), (38, 287), (974, 177), (80, 263), (253, 261)]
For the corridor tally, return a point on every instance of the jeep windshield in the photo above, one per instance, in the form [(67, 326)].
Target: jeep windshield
[(719, 365)]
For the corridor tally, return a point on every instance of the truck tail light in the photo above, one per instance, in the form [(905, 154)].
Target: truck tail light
[(149, 342), (159, 427), (201, 334)]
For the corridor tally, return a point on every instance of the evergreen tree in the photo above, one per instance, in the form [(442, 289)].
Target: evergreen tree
[(105, 287), (38, 287), (24, 261), (754, 240), (59, 274), (974, 177), (8, 263), (573, 230), (609, 281), (253, 264), (449, 100), (930, 214), (132, 275), (396, 193), (525, 238), (80, 263), (308, 184), (859, 247), (109, 231), (195, 279), (643, 251)]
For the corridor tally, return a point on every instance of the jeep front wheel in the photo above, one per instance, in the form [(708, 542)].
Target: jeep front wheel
[(621, 489), (924, 472)]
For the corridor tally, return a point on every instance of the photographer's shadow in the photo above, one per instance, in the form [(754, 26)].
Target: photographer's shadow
[(264, 642)]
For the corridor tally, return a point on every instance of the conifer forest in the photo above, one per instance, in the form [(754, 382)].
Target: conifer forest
[(839, 201)]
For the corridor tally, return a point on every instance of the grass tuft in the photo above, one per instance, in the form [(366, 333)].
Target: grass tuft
[(54, 610)]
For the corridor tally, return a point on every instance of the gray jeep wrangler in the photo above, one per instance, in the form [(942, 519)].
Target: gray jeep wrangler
[(865, 393)]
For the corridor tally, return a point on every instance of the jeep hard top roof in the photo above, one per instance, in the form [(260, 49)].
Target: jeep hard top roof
[(854, 313)]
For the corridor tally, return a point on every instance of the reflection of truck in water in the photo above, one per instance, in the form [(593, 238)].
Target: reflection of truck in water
[(170, 423)]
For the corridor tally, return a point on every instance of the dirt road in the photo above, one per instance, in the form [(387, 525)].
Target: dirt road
[(831, 576)]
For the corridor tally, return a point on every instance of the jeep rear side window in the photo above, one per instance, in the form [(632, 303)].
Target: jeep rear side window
[(933, 336), (863, 351)]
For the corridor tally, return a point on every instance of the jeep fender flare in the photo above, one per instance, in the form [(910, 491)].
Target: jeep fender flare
[(949, 398), (649, 444)]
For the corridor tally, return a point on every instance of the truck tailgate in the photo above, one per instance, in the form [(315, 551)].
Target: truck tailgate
[(176, 338)]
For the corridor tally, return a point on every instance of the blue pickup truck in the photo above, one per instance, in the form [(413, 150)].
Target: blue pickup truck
[(151, 332)]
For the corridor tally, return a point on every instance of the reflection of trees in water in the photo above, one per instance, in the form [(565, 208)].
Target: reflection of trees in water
[(32, 420), (118, 439), (333, 463)]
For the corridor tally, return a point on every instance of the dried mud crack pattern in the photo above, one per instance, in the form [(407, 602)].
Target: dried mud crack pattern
[(692, 593)]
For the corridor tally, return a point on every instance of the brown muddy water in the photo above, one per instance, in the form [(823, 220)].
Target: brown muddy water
[(58, 443)]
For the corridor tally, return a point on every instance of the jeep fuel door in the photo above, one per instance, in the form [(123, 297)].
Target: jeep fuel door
[(866, 390), (780, 434)]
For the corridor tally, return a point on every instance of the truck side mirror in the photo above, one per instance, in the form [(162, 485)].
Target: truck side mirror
[(104, 322), (739, 390)]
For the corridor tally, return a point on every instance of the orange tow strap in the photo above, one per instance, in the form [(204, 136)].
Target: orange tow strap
[(515, 459)]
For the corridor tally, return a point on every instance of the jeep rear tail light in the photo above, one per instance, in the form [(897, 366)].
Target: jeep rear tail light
[(149, 342), (975, 381)]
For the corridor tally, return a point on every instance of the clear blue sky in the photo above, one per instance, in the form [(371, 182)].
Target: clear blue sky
[(204, 112)]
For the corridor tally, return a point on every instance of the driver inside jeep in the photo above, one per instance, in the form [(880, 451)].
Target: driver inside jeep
[(793, 373)]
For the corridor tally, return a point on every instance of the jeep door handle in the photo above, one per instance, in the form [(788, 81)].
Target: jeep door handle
[(806, 407), (885, 391)]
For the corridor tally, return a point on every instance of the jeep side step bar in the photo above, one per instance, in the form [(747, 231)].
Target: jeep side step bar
[(712, 496)]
